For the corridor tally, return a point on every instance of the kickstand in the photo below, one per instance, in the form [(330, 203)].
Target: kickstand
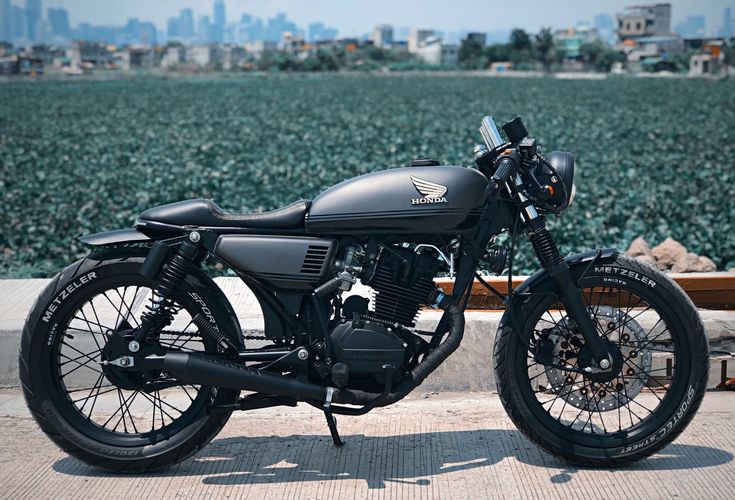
[(332, 423)]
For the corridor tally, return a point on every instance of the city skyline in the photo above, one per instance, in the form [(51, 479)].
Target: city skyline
[(360, 18)]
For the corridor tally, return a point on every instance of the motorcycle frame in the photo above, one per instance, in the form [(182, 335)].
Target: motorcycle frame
[(500, 213)]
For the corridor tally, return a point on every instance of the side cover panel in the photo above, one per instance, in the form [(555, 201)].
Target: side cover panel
[(292, 263)]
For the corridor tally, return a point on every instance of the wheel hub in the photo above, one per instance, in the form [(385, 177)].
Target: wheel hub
[(603, 391), (119, 345)]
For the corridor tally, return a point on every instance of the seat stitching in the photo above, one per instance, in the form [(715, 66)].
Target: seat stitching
[(223, 215)]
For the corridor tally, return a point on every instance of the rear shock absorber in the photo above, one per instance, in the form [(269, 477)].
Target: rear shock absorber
[(160, 310)]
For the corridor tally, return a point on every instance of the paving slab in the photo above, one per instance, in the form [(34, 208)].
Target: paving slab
[(445, 446)]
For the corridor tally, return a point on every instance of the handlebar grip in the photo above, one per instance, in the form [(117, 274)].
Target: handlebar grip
[(506, 168)]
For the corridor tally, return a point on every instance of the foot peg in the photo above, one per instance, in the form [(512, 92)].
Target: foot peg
[(332, 423)]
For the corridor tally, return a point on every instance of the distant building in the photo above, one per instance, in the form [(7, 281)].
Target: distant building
[(645, 20), (20, 65), (257, 48), (605, 27), (279, 25), (204, 56), (382, 36), (59, 23), (417, 37), (186, 24), (132, 58), (710, 60), (218, 26), (432, 51), (480, 38), (6, 26), (173, 57), (233, 57), (569, 42), (318, 32), (33, 18), (399, 47), (172, 28), (727, 29), (204, 30), (692, 26), (291, 43)]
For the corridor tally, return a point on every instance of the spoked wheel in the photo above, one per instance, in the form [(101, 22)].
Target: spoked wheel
[(119, 401), (659, 371), (72, 366)]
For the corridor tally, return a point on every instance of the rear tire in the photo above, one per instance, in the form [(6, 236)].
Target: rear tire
[(50, 402), (589, 443)]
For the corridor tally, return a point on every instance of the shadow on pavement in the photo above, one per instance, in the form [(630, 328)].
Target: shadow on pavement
[(410, 458)]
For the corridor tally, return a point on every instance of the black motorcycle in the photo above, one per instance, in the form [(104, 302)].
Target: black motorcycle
[(132, 359)]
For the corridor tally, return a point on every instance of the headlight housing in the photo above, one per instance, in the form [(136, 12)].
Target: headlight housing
[(560, 177)]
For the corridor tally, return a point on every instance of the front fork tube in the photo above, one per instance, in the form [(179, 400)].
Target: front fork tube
[(571, 295)]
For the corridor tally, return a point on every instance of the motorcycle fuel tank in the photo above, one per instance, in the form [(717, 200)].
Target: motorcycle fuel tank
[(410, 200)]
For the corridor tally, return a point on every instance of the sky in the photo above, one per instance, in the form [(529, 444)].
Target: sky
[(354, 17)]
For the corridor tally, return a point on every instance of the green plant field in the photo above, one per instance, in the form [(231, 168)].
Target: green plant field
[(656, 157)]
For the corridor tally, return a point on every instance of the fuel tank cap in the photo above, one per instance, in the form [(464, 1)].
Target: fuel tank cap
[(425, 161)]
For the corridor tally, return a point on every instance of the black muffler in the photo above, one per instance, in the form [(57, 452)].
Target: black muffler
[(200, 370)]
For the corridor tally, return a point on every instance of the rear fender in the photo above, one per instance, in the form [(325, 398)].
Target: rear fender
[(118, 237)]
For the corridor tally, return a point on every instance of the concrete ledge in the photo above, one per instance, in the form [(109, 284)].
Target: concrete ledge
[(469, 369)]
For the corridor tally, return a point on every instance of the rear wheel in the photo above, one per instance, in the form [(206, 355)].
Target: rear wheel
[(659, 371), (101, 413)]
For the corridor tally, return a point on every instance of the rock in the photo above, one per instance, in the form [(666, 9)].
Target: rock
[(647, 259), (639, 247), (693, 263), (706, 265), (668, 252), (686, 263)]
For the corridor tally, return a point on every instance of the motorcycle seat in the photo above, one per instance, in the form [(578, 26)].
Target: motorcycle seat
[(204, 212)]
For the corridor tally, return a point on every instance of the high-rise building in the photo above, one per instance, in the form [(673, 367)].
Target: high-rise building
[(278, 25), (204, 30), (147, 34), (6, 26), (59, 22), (218, 26), (727, 29), (382, 36), (319, 32), (605, 26), (33, 17), (186, 24), (18, 24), (692, 27), (172, 28)]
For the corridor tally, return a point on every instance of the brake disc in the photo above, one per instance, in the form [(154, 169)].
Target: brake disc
[(583, 393)]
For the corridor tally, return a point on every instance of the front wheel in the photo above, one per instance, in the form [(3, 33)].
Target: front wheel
[(659, 375), (109, 417)]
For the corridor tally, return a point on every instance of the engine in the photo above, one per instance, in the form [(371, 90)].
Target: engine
[(367, 341)]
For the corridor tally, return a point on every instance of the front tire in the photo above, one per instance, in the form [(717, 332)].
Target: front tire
[(659, 386), (67, 335)]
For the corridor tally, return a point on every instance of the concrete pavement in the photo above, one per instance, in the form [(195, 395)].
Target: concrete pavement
[(453, 445)]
